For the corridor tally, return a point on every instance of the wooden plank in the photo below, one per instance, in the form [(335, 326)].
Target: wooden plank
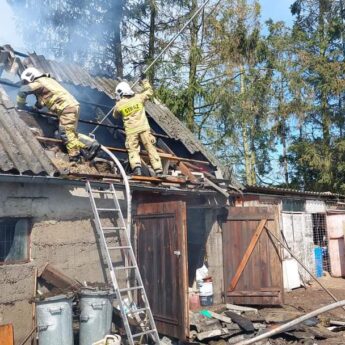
[(58, 279), (144, 153), (247, 254), (182, 166), (250, 213), (251, 217), (253, 293), (6, 334)]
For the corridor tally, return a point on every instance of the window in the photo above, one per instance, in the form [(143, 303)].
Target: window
[(293, 205), (14, 240)]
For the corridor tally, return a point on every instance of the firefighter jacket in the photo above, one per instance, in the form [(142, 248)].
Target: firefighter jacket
[(49, 93), (132, 110)]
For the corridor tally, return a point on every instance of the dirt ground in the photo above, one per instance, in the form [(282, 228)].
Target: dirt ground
[(313, 297)]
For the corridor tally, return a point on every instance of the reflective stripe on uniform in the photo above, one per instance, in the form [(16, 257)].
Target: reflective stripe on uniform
[(21, 100), (130, 108)]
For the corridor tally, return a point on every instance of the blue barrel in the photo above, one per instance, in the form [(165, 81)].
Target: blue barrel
[(318, 262)]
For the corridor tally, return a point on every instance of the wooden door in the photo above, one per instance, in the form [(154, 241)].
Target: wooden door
[(259, 279), (162, 259)]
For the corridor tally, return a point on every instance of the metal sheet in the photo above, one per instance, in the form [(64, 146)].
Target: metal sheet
[(76, 75), (162, 258), (20, 152), (261, 281)]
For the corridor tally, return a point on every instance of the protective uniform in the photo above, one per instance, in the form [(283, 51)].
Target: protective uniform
[(137, 127), (51, 94)]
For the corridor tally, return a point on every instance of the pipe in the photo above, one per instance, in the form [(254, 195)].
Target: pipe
[(127, 188), (306, 269), (159, 55), (292, 323)]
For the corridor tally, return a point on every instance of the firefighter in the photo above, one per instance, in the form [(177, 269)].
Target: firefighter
[(49, 93), (131, 107)]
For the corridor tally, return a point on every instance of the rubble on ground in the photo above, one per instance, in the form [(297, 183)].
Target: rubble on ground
[(231, 324)]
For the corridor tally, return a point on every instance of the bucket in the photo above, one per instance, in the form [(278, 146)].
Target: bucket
[(54, 320), (96, 310), (206, 291), (206, 300)]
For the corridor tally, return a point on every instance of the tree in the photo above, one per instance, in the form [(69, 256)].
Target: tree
[(317, 36)]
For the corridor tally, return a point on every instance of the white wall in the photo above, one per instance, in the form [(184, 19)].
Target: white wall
[(298, 232)]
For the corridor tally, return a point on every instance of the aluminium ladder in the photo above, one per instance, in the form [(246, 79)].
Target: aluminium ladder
[(115, 239)]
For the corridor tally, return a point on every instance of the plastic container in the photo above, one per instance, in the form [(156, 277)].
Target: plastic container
[(206, 292), (96, 310), (206, 301), (318, 262), (109, 340), (194, 301), (290, 274), (54, 320)]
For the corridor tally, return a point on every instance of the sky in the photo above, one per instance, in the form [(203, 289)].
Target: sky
[(275, 9)]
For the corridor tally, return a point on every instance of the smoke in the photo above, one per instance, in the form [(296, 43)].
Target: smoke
[(8, 30), (81, 32)]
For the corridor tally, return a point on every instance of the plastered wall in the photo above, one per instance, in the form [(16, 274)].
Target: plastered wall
[(62, 234)]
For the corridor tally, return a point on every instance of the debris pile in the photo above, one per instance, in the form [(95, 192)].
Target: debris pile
[(234, 324), (87, 312)]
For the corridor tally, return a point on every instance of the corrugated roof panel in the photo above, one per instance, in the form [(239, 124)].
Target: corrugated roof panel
[(74, 74), (20, 152)]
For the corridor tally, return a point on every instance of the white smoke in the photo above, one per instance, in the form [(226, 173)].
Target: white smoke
[(9, 32)]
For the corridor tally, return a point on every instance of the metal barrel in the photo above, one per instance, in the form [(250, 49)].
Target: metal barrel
[(96, 310), (54, 320)]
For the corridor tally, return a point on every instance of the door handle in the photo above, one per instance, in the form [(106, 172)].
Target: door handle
[(177, 253)]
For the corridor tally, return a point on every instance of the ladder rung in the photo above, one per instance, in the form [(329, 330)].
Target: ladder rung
[(132, 288), (113, 228), (143, 333), (124, 267), (102, 191), (137, 310), (119, 247), (108, 209)]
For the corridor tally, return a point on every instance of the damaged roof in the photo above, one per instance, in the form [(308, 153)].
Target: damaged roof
[(20, 152), (77, 76)]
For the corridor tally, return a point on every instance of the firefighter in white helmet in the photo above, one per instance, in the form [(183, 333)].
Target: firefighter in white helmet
[(49, 93), (131, 107)]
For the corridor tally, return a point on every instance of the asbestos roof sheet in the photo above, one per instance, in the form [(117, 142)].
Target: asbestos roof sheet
[(20, 152), (77, 76), (74, 74), (289, 191)]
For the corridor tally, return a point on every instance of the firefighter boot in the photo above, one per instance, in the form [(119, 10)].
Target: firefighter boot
[(137, 171)]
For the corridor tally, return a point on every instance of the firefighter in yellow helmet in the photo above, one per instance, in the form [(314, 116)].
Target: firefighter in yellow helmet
[(131, 107), (49, 93)]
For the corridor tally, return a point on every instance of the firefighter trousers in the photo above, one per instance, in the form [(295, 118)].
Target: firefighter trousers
[(68, 122), (133, 147)]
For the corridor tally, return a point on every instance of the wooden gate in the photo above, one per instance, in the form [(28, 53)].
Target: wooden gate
[(252, 261), (162, 259)]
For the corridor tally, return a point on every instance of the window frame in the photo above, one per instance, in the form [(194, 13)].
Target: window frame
[(28, 245)]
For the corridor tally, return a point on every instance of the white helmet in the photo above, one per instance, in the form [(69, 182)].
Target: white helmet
[(123, 89), (30, 74)]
